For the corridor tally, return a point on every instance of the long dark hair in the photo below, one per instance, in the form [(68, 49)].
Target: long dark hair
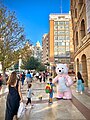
[(12, 78), (80, 76)]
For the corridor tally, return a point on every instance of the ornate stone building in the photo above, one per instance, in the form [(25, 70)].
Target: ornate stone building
[(80, 13)]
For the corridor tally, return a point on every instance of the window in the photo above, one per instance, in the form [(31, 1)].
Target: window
[(67, 38), (63, 43), (61, 23), (60, 27), (55, 38), (55, 27), (59, 43), (61, 37), (61, 32), (55, 43), (55, 32), (67, 43), (67, 32), (66, 27), (67, 23), (56, 23)]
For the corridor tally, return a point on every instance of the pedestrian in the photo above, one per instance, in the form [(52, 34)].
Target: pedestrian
[(31, 75), (40, 77), (29, 94), (37, 75), (14, 97), (28, 78), (51, 91), (43, 77), (23, 78), (80, 85)]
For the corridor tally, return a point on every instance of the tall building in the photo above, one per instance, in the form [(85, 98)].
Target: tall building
[(38, 51), (61, 44), (45, 49), (80, 13)]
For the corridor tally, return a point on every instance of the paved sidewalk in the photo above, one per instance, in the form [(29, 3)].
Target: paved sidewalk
[(3, 90), (76, 109)]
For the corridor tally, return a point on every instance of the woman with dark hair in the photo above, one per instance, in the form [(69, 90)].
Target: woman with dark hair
[(14, 97), (80, 85)]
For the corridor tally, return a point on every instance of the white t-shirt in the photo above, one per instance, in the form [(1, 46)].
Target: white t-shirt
[(37, 74), (29, 93)]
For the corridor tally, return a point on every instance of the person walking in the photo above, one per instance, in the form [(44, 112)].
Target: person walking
[(28, 78), (51, 92), (23, 78), (80, 85), (29, 94), (40, 77), (13, 98)]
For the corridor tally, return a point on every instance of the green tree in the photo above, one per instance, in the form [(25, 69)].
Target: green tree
[(41, 67), (16, 66), (32, 63), (12, 38)]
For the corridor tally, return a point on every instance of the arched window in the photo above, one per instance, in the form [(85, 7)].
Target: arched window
[(84, 69), (82, 29), (80, 3), (76, 38), (75, 12)]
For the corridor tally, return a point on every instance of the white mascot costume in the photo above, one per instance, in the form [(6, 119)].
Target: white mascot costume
[(63, 81)]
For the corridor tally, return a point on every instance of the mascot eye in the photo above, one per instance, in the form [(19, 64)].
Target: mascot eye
[(62, 68), (58, 68)]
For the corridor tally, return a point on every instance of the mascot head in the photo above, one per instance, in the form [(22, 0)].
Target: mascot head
[(61, 69)]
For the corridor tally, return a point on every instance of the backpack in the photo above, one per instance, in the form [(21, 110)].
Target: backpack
[(48, 88)]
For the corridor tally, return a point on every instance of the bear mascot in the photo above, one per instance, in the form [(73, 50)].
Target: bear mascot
[(63, 81)]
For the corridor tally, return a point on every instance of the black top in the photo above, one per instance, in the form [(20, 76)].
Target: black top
[(12, 103)]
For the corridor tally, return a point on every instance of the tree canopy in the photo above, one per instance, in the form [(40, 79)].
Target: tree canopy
[(12, 37), (32, 64)]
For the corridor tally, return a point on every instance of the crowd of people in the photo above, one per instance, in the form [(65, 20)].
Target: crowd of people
[(15, 82)]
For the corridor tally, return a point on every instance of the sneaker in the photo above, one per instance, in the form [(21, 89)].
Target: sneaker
[(76, 90), (81, 92), (50, 103)]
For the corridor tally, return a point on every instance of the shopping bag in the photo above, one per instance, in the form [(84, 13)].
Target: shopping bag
[(21, 110)]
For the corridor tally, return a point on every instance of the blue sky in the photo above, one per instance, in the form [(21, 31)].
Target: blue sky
[(34, 15)]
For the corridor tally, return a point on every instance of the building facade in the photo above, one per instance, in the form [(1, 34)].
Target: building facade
[(80, 13), (38, 51), (60, 44), (45, 49)]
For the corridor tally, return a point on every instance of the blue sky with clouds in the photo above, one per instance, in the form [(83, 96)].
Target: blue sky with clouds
[(34, 15)]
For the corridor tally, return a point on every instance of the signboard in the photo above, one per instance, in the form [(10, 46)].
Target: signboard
[(88, 15)]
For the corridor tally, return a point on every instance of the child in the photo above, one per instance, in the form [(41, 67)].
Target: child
[(51, 93), (29, 94), (80, 85)]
